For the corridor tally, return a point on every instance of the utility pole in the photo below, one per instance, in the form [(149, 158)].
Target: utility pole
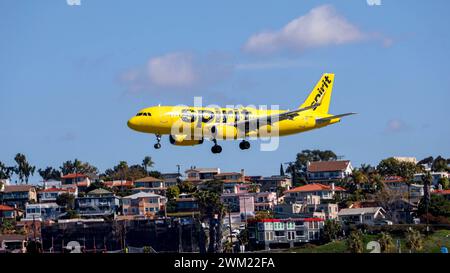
[(229, 225), (180, 243)]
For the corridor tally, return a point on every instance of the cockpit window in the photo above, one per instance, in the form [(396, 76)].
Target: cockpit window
[(143, 114)]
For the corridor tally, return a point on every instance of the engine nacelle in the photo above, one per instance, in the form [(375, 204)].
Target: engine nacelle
[(223, 132), (182, 140)]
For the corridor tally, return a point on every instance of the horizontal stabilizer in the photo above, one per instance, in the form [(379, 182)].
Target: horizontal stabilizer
[(333, 117)]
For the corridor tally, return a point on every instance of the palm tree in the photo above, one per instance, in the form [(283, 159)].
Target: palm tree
[(24, 169), (355, 242), (5, 171), (212, 210), (147, 163), (414, 240), (386, 242), (122, 168)]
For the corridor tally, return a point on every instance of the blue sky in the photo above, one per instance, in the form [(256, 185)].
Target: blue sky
[(71, 76)]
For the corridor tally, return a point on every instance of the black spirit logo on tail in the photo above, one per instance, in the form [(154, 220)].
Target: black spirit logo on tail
[(321, 91)]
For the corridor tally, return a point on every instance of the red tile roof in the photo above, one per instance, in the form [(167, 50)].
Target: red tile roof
[(314, 187), (73, 175), (328, 166), (6, 208), (82, 184), (119, 183)]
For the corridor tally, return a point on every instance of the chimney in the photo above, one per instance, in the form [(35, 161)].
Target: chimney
[(242, 175)]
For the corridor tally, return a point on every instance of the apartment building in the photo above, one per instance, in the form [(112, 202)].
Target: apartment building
[(275, 232), (143, 204)]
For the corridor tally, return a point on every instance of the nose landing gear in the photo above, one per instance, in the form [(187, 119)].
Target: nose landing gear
[(158, 140), (216, 149), (244, 145)]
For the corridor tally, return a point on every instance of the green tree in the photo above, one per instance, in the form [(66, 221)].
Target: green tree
[(444, 182), (49, 174), (439, 164), (438, 206), (331, 230), (260, 215), (5, 171), (281, 170), (122, 172), (8, 226), (23, 169), (253, 188), (66, 200), (77, 166), (96, 185), (172, 192), (355, 242), (212, 210), (187, 187), (386, 242), (243, 237), (147, 163), (393, 167), (414, 240), (359, 177)]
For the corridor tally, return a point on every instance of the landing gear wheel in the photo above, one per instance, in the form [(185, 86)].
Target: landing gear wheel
[(244, 145), (158, 139), (216, 149)]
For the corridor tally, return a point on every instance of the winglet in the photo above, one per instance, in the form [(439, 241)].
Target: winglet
[(334, 117)]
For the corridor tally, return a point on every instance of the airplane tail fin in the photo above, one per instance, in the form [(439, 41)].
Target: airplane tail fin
[(321, 94)]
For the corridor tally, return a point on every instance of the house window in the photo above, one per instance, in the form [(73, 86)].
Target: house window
[(268, 236), (367, 217)]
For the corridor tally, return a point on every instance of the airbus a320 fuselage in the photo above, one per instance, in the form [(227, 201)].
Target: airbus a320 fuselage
[(188, 126)]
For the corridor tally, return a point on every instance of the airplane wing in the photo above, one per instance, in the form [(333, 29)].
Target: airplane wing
[(267, 120), (333, 117)]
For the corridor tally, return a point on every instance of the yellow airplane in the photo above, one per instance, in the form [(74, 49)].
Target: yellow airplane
[(188, 126)]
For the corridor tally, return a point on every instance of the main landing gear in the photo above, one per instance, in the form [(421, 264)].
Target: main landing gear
[(158, 141), (244, 145), (216, 149)]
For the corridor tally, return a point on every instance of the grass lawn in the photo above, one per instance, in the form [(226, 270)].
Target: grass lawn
[(432, 244)]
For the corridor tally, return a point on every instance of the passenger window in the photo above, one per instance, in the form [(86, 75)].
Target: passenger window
[(149, 114)]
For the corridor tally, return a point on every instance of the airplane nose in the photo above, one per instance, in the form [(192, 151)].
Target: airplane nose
[(132, 123)]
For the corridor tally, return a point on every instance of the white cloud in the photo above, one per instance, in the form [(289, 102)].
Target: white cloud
[(177, 71), (172, 70), (322, 26), (396, 126)]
